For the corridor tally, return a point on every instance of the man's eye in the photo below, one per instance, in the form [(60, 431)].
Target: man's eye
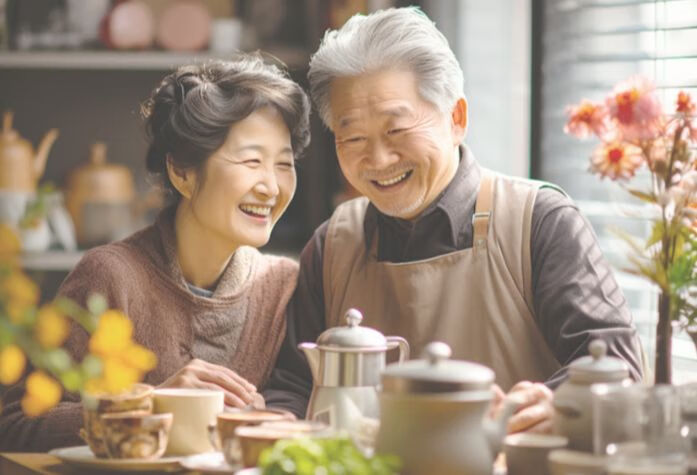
[(394, 131), (354, 139)]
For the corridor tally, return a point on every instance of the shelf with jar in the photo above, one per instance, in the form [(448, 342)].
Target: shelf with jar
[(148, 34)]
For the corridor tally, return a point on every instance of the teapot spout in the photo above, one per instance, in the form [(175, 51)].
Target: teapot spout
[(496, 428), (312, 353), (42, 152)]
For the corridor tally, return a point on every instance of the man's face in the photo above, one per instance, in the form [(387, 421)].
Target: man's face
[(393, 146)]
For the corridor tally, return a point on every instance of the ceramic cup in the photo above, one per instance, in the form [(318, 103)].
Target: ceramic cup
[(222, 432), (139, 398), (136, 435), (193, 410), (254, 439), (565, 462), (524, 451)]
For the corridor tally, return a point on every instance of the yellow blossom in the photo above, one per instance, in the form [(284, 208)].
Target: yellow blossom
[(20, 293), (16, 311), (17, 286), (118, 376), (43, 392), (51, 327), (139, 357), (113, 334), (12, 363)]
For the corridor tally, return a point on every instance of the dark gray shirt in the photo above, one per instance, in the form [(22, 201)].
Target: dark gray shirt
[(576, 297)]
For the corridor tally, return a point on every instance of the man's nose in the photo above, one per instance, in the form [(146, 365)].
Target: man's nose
[(380, 155)]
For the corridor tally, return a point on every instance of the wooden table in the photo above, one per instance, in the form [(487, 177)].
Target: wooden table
[(30, 464), (44, 464)]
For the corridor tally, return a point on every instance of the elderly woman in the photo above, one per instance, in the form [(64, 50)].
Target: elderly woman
[(224, 137)]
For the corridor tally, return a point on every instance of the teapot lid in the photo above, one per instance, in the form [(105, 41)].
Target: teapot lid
[(436, 373), (352, 336), (598, 367)]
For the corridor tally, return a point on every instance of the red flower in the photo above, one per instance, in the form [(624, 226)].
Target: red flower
[(636, 109), (616, 160), (585, 119)]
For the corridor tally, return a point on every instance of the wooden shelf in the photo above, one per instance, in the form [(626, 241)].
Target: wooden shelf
[(294, 58), (51, 260)]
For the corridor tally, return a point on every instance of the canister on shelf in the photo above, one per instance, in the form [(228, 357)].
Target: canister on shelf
[(99, 197)]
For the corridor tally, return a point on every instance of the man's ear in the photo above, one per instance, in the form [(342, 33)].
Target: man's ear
[(459, 121), (183, 179)]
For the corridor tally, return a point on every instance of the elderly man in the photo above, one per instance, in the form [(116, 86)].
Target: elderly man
[(505, 270)]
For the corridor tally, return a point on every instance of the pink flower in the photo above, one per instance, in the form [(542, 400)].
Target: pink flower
[(686, 109), (616, 160), (585, 119), (636, 109)]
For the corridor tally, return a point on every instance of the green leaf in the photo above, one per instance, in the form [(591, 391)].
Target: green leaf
[(91, 366), (58, 360), (656, 234), (97, 304), (648, 197), (72, 380)]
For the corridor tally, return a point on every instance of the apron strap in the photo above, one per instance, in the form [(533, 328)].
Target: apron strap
[(482, 211)]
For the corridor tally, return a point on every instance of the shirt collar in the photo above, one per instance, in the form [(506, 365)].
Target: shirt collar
[(454, 202)]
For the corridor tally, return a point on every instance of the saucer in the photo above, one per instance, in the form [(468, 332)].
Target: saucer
[(209, 462), (81, 456)]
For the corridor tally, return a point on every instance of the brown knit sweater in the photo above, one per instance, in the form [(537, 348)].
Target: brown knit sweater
[(241, 326)]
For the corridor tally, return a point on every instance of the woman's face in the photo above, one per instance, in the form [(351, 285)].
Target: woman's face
[(247, 184)]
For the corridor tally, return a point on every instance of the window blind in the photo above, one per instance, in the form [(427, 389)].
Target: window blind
[(587, 47)]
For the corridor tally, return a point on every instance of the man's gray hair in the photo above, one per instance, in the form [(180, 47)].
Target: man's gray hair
[(400, 38)]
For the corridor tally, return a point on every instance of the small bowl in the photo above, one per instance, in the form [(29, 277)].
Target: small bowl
[(254, 439), (139, 398), (530, 450), (222, 432), (136, 435), (564, 462)]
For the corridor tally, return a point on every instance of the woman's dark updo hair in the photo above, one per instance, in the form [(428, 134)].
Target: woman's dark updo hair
[(188, 116)]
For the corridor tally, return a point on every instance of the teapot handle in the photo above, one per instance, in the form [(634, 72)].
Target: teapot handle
[(397, 341)]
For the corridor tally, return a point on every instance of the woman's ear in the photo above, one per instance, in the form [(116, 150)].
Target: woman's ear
[(459, 121), (183, 179)]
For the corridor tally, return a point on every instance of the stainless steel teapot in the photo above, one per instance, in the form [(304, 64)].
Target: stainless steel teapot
[(346, 363)]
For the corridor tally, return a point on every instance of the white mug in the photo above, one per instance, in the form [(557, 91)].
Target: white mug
[(193, 411)]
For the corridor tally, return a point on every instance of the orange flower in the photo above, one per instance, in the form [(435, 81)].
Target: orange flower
[(585, 119), (616, 160), (684, 104), (636, 109)]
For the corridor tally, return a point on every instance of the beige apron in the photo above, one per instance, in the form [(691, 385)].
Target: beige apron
[(477, 300)]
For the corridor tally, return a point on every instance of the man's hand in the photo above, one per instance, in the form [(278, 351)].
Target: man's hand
[(200, 374), (535, 409)]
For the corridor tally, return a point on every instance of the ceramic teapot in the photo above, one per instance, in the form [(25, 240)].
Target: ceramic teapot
[(99, 198), (21, 167), (346, 363), (434, 415), (573, 408)]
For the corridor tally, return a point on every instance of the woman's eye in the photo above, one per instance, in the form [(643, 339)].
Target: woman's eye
[(287, 165), (252, 162), (394, 131)]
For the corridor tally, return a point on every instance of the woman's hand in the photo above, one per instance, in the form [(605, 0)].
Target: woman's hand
[(200, 374)]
